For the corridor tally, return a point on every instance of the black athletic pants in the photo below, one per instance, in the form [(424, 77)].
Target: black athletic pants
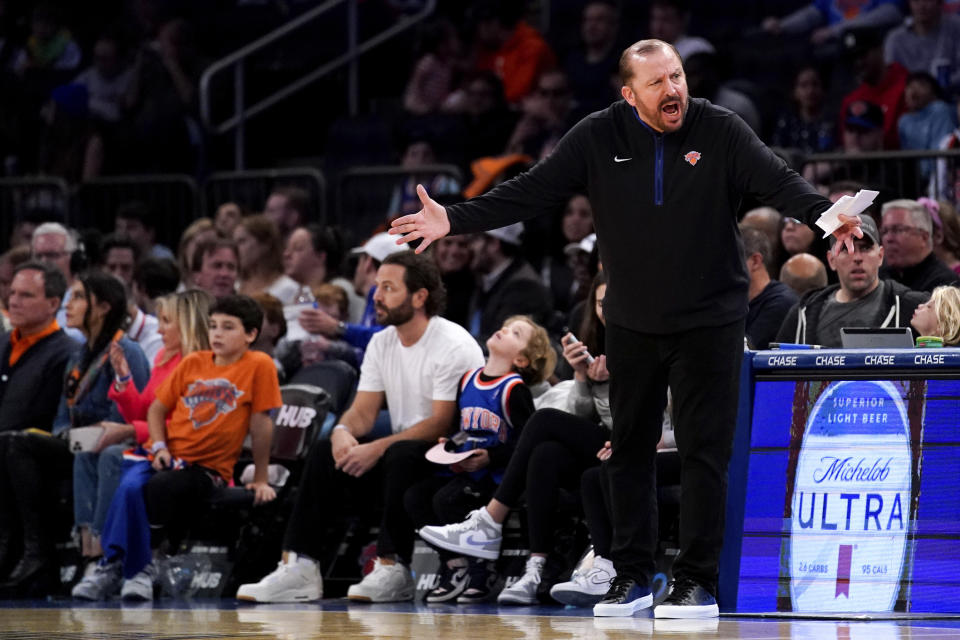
[(702, 367), (34, 469), (325, 491), (553, 450)]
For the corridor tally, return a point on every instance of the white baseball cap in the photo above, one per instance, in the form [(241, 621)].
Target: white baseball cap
[(509, 234), (380, 246), (586, 245)]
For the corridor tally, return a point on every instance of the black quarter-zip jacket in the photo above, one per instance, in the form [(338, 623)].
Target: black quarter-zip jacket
[(664, 206)]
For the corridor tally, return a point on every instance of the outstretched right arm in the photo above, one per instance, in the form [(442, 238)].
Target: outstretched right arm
[(543, 189)]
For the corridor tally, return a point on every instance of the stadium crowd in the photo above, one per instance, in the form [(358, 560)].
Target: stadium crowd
[(491, 345)]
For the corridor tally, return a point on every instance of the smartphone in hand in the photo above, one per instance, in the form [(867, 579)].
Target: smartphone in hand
[(572, 339)]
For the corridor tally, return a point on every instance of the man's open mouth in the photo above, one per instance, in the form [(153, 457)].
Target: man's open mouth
[(671, 108)]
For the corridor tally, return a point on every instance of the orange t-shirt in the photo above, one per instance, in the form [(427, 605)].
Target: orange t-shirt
[(211, 406)]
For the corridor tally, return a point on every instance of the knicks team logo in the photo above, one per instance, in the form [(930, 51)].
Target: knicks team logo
[(851, 500), (693, 157), (210, 399)]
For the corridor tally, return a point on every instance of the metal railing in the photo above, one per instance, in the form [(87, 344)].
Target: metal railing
[(237, 62), (904, 174), (172, 199), (19, 195), (367, 197), (251, 189)]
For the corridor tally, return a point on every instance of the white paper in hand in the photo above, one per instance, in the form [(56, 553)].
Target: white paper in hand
[(847, 205)]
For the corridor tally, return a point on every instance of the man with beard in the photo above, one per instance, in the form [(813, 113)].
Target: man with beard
[(415, 365), (665, 175)]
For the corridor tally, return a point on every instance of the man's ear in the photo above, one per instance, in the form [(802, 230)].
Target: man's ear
[(252, 335), (831, 258), (419, 298), (627, 94)]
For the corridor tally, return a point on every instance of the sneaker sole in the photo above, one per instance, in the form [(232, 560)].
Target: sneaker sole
[(278, 600), (686, 612), (474, 599), (473, 552), (446, 597), (135, 597), (363, 598), (516, 600), (624, 610), (577, 599)]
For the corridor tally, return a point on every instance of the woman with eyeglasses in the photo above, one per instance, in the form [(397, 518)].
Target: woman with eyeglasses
[(36, 466)]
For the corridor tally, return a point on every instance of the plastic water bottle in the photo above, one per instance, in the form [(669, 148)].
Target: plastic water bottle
[(180, 575), (292, 311)]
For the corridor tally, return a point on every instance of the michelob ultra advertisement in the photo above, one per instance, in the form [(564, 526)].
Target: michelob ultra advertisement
[(852, 501)]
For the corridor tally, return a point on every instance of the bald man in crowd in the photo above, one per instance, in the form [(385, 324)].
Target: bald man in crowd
[(803, 272)]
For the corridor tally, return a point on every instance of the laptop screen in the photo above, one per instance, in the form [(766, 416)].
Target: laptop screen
[(876, 338)]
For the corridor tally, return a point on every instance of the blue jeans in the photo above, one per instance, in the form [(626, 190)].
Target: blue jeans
[(96, 477)]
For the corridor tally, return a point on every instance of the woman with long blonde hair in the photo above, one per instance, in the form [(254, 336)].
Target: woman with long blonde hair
[(183, 321)]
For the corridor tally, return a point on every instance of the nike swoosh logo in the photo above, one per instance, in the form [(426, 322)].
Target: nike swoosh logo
[(469, 540), (619, 159)]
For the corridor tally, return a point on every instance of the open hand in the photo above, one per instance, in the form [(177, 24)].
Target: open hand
[(429, 224), (846, 233), (118, 361)]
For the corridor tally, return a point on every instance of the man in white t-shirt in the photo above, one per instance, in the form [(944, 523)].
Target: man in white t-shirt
[(415, 365)]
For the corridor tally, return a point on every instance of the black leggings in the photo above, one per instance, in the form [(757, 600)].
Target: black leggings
[(595, 493), (554, 449), (175, 499), (35, 470)]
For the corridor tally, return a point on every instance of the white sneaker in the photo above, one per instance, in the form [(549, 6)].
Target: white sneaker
[(101, 584), (386, 583), (296, 580), (586, 586), (478, 536), (140, 586), (524, 590)]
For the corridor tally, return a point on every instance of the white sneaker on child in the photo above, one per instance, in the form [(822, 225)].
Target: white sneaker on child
[(478, 536), (586, 586), (386, 583), (294, 580), (140, 586), (524, 590)]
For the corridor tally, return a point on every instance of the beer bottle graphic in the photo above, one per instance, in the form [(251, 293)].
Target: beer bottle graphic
[(851, 506)]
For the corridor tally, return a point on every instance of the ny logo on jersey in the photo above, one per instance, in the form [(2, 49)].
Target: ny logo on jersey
[(210, 399), (693, 157)]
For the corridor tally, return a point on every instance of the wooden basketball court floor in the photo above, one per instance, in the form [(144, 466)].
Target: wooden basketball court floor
[(225, 620)]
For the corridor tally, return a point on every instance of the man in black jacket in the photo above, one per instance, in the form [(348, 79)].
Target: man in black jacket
[(506, 284), (861, 299), (34, 354), (665, 175), (32, 360)]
